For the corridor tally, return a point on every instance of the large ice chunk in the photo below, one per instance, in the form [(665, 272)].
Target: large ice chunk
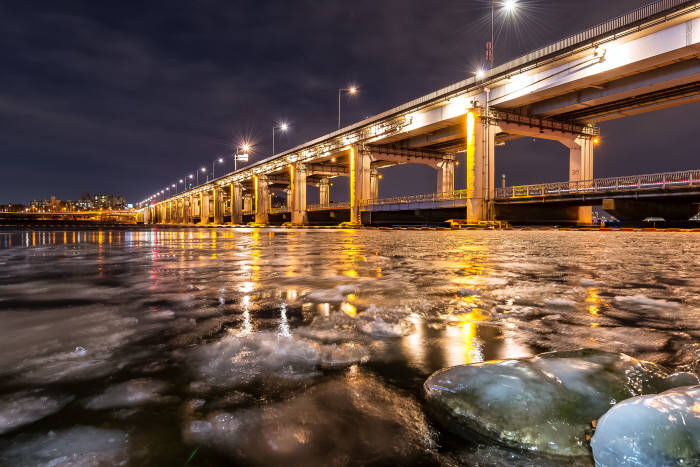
[(239, 360), (128, 394), (545, 403), (81, 446), (661, 429), (25, 407)]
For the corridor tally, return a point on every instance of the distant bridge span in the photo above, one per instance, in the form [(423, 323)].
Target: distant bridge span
[(642, 61)]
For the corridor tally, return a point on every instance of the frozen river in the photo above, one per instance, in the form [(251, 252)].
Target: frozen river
[(305, 347)]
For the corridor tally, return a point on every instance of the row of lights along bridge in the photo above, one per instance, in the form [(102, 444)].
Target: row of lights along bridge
[(507, 7)]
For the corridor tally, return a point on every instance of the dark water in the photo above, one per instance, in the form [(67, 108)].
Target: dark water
[(305, 347)]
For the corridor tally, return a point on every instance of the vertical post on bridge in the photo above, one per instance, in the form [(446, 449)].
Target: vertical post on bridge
[(298, 187), (580, 169), (262, 199), (236, 192)]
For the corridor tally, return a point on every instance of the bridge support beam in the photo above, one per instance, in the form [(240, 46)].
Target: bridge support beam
[(262, 199), (298, 188), (324, 192), (446, 175), (360, 187), (480, 135), (236, 200), (218, 205), (203, 208), (581, 168), (373, 184), (189, 213)]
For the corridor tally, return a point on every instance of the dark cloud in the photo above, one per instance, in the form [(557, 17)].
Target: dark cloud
[(129, 96)]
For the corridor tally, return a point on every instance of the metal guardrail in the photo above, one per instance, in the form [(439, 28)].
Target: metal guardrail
[(430, 197), (279, 210), (624, 21), (663, 181), (328, 207)]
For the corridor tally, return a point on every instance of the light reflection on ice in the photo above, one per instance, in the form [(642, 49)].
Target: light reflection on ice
[(270, 316)]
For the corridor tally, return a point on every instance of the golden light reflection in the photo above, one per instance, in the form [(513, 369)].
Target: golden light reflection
[(348, 309), (594, 301)]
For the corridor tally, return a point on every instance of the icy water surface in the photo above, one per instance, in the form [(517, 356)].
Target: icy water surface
[(210, 347)]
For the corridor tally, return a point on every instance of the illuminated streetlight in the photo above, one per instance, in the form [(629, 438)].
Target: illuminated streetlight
[(220, 160), (507, 6), (352, 90), (283, 126), (243, 157), (480, 73)]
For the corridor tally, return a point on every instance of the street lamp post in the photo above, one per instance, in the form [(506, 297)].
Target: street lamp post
[(220, 161), (203, 169), (508, 6), (352, 90), (284, 126)]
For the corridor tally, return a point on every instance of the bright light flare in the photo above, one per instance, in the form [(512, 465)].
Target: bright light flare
[(509, 6), (203, 169), (352, 89), (221, 160), (480, 73), (245, 147), (284, 126)]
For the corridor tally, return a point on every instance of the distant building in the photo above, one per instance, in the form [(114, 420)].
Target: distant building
[(87, 202)]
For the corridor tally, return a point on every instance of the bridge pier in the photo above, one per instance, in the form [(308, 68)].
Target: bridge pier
[(298, 188), (324, 192), (218, 205), (446, 174), (581, 168), (360, 185), (262, 199), (480, 136), (236, 200), (203, 208)]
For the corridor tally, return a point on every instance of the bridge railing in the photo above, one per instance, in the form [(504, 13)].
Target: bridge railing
[(279, 210), (429, 197), (668, 180), (327, 207)]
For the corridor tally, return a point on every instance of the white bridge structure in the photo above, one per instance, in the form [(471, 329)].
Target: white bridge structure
[(639, 62)]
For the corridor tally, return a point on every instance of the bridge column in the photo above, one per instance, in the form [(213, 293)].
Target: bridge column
[(298, 172), (218, 205), (189, 215), (262, 199), (373, 184), (290, 197), (581, 168), (360, 166), (248, 203), (446, 174), (324, 192), (480, 136), (203, 207), (236, 194), (170, 212)]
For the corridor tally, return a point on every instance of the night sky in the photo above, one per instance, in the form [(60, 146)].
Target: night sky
[(126, 97)]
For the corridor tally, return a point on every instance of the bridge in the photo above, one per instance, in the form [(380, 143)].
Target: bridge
[(645, 60)]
